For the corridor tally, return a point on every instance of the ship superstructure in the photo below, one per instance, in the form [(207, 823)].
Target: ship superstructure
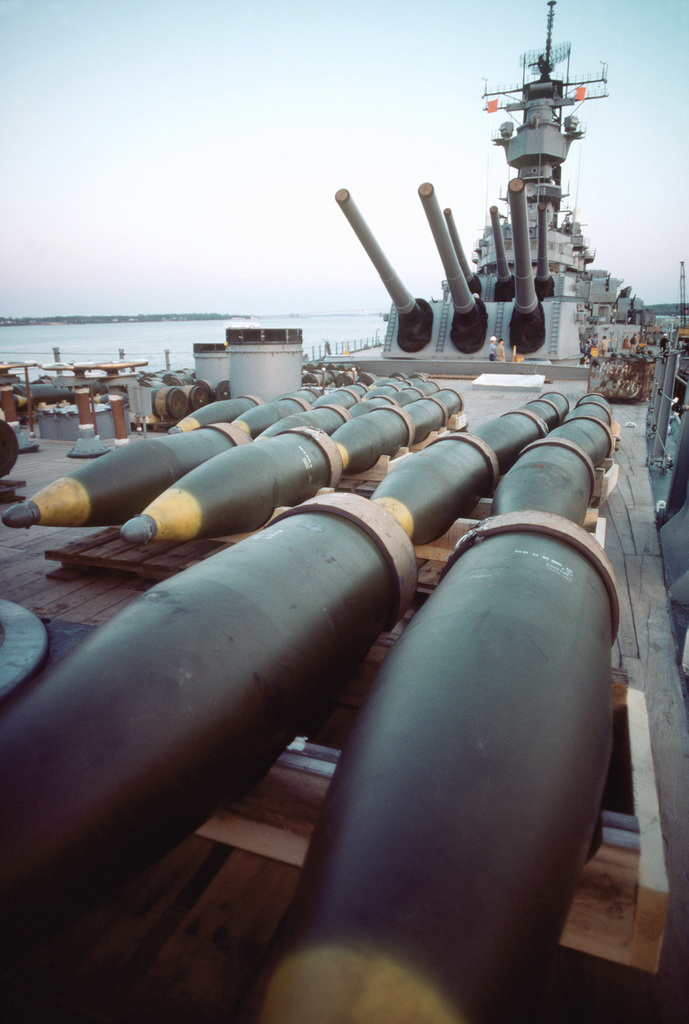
[(533, 284), (537, 147)]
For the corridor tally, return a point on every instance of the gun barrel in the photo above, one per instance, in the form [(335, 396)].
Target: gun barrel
[(526, 300), (468, 331), (500, 254), (415, 315), (542, 265), (544, 284), (462, 299), (402, 299), (471, 278)]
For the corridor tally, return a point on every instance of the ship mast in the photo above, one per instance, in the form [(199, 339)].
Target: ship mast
[(540, 144), (547, 66)]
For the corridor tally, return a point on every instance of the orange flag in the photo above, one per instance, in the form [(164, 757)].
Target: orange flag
[(580, 94), (492, 106)]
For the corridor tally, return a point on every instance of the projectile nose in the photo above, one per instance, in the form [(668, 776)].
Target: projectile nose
[(26, 513), (139, 530)]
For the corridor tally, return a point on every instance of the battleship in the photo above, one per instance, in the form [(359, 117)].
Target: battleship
[(533, 284)]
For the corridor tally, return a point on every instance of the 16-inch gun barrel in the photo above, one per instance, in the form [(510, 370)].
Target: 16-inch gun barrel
[(544, 284), (469, 325), (527, 326), (415, 315), (526, 300), (462, 299), (504, 286), (472, 279)]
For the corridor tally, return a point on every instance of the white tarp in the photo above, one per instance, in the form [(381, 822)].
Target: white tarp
[(519, 381)]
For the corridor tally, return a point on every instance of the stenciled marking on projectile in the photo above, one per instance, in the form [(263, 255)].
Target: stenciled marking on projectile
[(268, 535), (563, 571), (306, 458)]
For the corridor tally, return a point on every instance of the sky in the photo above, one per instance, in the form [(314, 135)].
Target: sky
[(171, 156)]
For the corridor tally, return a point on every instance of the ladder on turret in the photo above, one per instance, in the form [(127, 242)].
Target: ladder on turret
[(391, 331), (556, 317), (500, 320), (443, 332)]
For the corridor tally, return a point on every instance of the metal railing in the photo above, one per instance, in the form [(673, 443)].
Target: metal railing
[(662, 399), (327, 350)]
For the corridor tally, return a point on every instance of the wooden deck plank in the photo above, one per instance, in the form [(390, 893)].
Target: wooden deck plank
[(218, 945), (91, 543), (155, 561), (100, 956), (24, 567), (100, 608), (69, 600), (35, 591)]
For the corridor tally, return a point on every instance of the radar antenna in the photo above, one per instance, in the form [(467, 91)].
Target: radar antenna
[(546, 62), (544, 65)]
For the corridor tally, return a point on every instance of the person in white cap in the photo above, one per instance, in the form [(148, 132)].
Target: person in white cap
[(491, 349)]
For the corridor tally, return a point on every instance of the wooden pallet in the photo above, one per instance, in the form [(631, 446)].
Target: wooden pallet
[(105, 550), (606, 479), (440, 549), (386, 463), (8, 491), (619, 909)]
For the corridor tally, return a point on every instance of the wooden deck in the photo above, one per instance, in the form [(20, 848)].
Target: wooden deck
[(195, 937)]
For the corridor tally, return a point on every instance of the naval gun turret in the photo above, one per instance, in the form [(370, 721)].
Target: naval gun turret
[(544, 315), (468, 331), (415, 316), (455, 324)]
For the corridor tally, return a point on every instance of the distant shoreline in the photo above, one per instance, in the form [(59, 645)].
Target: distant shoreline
[(144, 318), (140, 318)]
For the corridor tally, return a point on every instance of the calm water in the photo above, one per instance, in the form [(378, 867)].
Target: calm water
[(99, 342)]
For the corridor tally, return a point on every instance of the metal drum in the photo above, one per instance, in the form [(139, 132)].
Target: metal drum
[(170, 403), (264, 361), (210, 362)]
